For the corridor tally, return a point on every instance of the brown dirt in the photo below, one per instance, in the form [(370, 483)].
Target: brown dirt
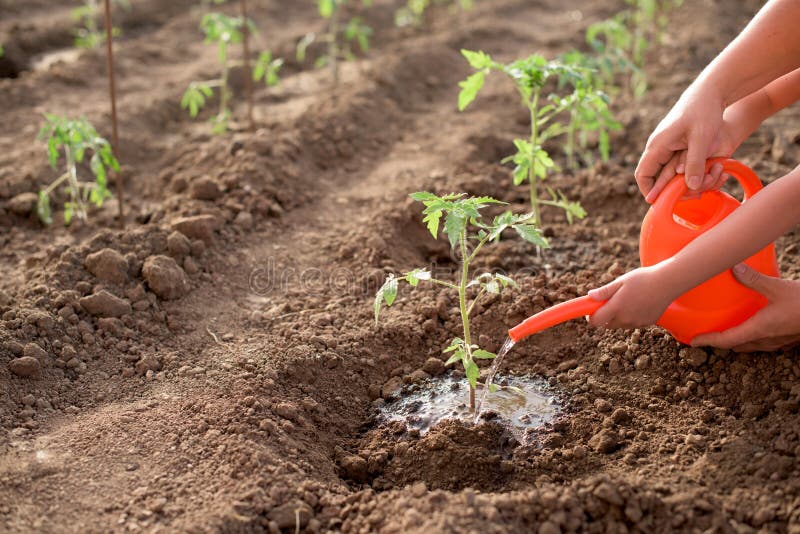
[(232, 387)]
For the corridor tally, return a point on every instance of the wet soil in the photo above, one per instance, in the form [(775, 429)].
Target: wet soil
[(215, 366)]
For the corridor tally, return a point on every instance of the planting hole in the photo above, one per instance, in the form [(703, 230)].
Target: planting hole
[(522, 404)]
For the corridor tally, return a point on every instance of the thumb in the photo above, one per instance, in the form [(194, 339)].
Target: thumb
[(749, 277)]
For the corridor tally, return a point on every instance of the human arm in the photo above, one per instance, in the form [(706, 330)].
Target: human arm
[(768, 48), (640, 297), (739, 121)]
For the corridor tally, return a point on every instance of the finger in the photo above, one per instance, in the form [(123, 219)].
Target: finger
[(733, 337), (760, 345), (680, 168), (720, 181), (667, 173), (603, 316), (696, 158), (607, 291), (715, 171), (655, 155), (769, 286), (708, 181)]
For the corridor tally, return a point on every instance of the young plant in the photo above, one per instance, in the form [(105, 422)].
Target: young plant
[(588, 112), (76, 139), (413, 13), (339, 41), (225, 31), (611, 41), (87, 34), (532, 161), (468, 233)]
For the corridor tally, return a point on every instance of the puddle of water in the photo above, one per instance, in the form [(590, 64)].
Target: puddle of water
[(522, 404)]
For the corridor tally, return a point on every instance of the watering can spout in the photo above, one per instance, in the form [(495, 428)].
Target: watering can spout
[(571, 309)]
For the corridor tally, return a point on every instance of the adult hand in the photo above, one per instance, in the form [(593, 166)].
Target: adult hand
[(693, 125), (775, 326)]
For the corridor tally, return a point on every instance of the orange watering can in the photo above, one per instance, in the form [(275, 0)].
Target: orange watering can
[(671, 223)]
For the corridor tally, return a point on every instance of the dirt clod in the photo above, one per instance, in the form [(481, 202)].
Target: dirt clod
[(26, 367), (205, 188), (605, 441), (694, 356), (291, 515), (197, 227), (23, 204), (165, 277), (108, 265), (104, 304), (354, 467), (434, 366), (33, 350)]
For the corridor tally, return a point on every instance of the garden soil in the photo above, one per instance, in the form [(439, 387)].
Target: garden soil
[(215, 366)]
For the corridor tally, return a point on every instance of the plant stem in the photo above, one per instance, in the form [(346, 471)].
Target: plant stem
[(248, 80), (75, 187), (223, 87), (333, 43), (534, 108), (112, 90), (444, 283), (570, 147), (478, 296), (462, 304)]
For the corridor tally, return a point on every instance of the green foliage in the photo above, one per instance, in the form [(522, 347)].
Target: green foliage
[(413, 12), (223, 31), (266, 68), (76, 139), (88, 34), (340, 40), (2, 50), (586, 106), (460, 219)]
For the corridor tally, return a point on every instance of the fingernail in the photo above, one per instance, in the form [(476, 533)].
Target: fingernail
[(739, 268), (680, 169), (694, 182)]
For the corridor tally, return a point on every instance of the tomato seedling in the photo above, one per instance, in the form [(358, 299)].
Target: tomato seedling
[(588, 112), (413, 12), (532, 161), (76, 139), (224, 31), (87, 34), (464, 227), (339, 40)]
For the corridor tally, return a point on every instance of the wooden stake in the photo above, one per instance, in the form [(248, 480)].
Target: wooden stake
[(112, 89), (248, 80)]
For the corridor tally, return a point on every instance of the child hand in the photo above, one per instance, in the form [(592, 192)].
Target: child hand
[(775, 326), (637, 298)]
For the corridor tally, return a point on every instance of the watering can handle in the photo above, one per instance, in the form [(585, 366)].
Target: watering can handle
[(664, 207), (560, 313)]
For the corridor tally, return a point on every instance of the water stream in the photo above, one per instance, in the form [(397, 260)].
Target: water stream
[(507, 346)]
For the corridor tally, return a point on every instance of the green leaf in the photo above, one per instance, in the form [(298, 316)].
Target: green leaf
[(454, 225), (472, 372), (416, 276), (478, 60), (532, 234), (326, 8), (493, 388), (195, 97), (469, 89), (387, 293), (456, 357), (483, 354), (302, 46), (43, 208)]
